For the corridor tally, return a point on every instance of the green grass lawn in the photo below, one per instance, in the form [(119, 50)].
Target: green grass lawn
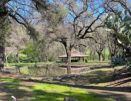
[(30, 91), (90, 62)]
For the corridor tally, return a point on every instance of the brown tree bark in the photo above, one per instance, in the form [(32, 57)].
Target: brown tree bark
[(3, 18), (68, 52), (100, 56), (103, 57), (2, 51), (67, 45), (17, 58)]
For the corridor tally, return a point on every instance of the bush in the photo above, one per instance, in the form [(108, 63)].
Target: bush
[(118, 60)]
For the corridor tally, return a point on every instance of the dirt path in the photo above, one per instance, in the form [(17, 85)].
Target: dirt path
[(119, 96)]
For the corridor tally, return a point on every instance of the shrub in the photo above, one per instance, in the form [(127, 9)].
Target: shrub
[(118, 60)]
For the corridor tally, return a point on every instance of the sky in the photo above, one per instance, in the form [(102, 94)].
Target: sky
[(24, 9)]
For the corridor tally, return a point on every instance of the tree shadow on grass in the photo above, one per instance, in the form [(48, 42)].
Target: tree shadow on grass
[(53, 96), (10, 87), (121, 89), (40, 95)]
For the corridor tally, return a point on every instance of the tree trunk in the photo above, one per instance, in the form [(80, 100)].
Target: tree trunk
[(112, 55), (68, 52), (17, 58), (103, 57), (2, 51), (3, 18), (6, 60), (67, 45), (100, 56)]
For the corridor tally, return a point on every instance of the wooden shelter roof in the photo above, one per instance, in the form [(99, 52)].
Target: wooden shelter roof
[(74, 53)]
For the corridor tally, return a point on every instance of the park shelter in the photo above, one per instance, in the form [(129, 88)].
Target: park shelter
[(75, 56)]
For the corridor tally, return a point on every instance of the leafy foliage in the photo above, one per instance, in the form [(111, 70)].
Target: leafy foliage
[(118, 60), (30, 52), (120, 24)]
